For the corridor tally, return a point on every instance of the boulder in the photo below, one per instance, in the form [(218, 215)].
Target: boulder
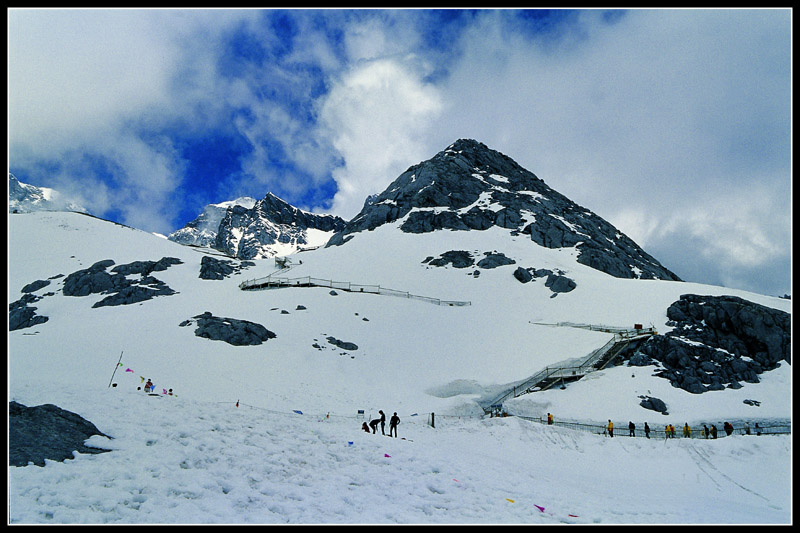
[(654, 404), (47, 432), (522, 275), (233, 331)]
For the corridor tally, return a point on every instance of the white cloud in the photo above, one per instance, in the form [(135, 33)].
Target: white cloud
[(83, 81), (377, 116)]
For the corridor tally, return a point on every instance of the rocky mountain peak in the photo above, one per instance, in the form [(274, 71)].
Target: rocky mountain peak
[(468, 186), (272, 227), (24, 198)]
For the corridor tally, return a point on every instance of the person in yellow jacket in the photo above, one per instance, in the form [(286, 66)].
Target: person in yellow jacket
[(610, 428), (687, 431)]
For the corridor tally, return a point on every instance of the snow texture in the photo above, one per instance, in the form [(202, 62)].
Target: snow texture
[(271, 434)]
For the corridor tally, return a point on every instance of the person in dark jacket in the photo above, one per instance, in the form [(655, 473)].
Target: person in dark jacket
[(632, 428), (393, 424), (713, 431), (374, 425), (383, 422), (646, 430), (365, 427)]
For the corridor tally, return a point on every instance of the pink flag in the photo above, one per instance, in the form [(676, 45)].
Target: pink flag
[(386, 455), (541, 509), (128, 370)]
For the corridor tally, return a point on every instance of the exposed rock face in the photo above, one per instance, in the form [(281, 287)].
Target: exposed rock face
[(231, 330), (121, 289), (272, 227), (556, 281), (24, 198), (46, 432), (718, 341), (211, 268), (470, 187), (344, 345), (22, 315), (464, 259), (202, 231), (654, 404)]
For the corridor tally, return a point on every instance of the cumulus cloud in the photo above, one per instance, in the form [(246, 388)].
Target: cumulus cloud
[(91, 86), (377, 116), (663, 122)]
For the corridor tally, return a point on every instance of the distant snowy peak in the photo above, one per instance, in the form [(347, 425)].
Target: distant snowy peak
[(23, 198), (265, 228), (468, 186), (202, 231)]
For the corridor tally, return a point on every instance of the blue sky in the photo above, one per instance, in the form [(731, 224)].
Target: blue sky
[(674, 125)]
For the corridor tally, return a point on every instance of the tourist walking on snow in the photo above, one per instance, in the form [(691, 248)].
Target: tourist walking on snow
[(610, 428), (148, 387), (632, 428), (549, 419), (687, 431), (713, 431), (383, 422), (728, 427), (393, 424), (705, 431), (646, 430)]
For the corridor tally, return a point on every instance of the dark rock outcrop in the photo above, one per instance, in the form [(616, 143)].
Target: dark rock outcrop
[(22, 315), (344, 345), (46, 432), (556, 281), (233, 331), (719, 341), (212, 268), (120, 288), (36, 285), (654, 404)]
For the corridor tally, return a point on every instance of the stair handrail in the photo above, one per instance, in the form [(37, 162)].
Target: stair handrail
[(621, 337)]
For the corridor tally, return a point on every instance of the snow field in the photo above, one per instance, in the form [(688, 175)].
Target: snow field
[(197, 459), (177, 460)]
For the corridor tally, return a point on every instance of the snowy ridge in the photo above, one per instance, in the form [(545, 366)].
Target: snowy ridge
[(24, 198), (189, 458)]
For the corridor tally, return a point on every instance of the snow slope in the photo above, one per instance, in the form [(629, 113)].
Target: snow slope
[(197, 458)]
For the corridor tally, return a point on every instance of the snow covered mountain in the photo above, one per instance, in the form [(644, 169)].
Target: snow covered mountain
[(23, 198), (202, 231), (250, 229), (468, 186), (409, 309)]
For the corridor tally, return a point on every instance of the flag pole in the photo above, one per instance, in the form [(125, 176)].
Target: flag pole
[(115, 368)]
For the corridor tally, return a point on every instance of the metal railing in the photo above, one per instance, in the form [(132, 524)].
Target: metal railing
[(551, 374), (621, 430), (270, 282)]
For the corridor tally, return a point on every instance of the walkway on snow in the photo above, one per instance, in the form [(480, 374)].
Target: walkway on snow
[(273, 282), (571, 370)]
